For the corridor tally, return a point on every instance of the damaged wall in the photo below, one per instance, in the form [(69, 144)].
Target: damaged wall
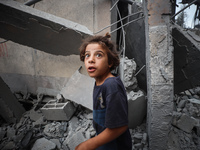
[(29, 70)]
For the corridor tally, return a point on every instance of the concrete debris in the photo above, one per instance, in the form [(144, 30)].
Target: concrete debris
[(44, 144), (55, 110), (36, 131), (128, 66), (184, 122), (139, 137), (73, 141), (55, 129), (184, 133), (10, 108), (137, 103), (79, 89)]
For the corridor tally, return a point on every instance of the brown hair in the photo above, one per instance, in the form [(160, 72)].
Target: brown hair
[(106, 44)]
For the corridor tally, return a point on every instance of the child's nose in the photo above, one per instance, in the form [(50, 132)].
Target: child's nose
[(91, 59)]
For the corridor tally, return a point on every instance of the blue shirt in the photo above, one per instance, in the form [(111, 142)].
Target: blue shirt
[(110, 110)]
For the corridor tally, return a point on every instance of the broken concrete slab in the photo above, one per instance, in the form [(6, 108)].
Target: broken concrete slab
[(186, 59), (127, 70), (40, 30), (79, 89), (10, 109), (184, 122), (54, 110)]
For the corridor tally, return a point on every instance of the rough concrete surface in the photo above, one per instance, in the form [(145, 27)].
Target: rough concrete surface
[(79, 89), (40, 30)]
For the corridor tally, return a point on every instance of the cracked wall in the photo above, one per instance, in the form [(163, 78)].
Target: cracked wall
[(55, 31)]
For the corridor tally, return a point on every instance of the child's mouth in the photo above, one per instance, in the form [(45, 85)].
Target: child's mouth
[(91, 69)]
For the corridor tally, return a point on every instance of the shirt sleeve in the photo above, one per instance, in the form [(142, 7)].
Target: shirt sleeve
[(116, 111)]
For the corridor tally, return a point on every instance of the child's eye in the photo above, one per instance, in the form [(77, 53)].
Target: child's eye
[(87, 55), (98, 55)]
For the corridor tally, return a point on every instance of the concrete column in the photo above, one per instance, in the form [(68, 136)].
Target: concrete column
[(159, 65)]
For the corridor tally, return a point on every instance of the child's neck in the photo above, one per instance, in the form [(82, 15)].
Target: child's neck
[(102, 80)]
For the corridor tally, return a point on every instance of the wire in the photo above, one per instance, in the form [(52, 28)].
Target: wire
[(127, 23), (114, 5), (123, 43), (184, 8), (139, 70), (117, 22)]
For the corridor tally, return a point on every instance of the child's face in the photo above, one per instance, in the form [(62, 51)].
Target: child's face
[(96, 62)]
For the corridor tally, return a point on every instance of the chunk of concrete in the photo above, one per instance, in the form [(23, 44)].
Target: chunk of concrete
[(39, 28), (10, 109), (55, 129), (43, 144), (58, 111), (137, 108), (184, 122), (79, 89), (127, 70), (73, 141)]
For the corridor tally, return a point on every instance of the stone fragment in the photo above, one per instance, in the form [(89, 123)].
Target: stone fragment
[(43, 144), (127, 71), (9, 146), (182, 103), (184, 122), (34, 115), (26, 139), (55, 129), (11, 132), (72, 141), (2, 133), (57, 142), (40, 121), (194, 101), (73, 123)]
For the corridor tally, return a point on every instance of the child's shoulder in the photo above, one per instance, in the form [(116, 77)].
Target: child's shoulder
[(113, 83)]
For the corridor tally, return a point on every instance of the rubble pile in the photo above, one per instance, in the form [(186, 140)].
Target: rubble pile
[(185, 131), (35, 132)]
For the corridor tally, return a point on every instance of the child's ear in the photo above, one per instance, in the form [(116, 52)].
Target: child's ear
[(110, 65)]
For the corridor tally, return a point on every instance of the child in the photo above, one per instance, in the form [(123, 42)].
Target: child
[(110, 106)]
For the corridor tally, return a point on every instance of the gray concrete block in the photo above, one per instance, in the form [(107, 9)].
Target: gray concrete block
[(184, 122), (58, 111)]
